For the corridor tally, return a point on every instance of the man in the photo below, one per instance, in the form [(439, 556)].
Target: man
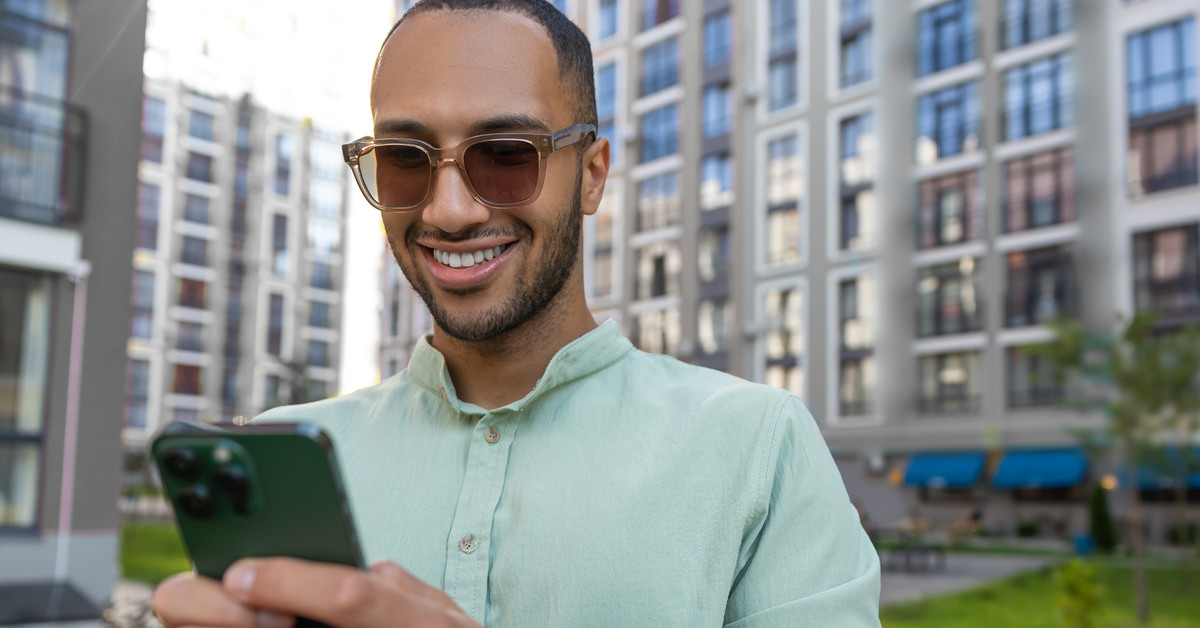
[(531, 468)]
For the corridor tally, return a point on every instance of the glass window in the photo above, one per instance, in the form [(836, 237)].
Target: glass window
[(186, 380), (718, 114), (950, 382), (1039, 190), (857, 173), (856, 42), (856, 385), (324, 236), (948, 299), (200, 125), (149, 202), (948, 123), (195, 251), (607, 26), (784, 33), (191, 293), (659, 331), (189, 336), (660, 133), (716, 181), (1032, 380), (711, 320), (318, 353), (561, 5), (784, 339), (285, 151), (154, 124), (317, 389), (137, 394), (326, 198), (275, 324), (658, 202), (1166, 271), (660, 66), (946, 36), (783, 171), (200, 167), (606, 107), (949, 210), (279, 245), (195, 209), (24, 355), (1041, 285), (658, 269), (718, 38), (655, 12), (318, 315), (1163, 153), (272, 395), (1162, 69), (712, 247), (857, 313), (782, 83), (1037, 97), (322, 275), (142, 323), (1026, 21)]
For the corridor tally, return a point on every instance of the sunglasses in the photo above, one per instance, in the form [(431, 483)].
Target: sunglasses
[(501, 169)]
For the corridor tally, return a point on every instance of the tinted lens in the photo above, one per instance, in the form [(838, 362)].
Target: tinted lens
[(503, 171), (396, 176)]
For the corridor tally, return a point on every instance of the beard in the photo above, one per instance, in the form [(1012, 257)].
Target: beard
[(529, 296)]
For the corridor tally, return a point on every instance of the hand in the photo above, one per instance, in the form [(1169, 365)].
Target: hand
[(272, 592)]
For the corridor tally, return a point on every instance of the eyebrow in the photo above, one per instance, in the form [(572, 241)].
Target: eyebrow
[(494, 124)]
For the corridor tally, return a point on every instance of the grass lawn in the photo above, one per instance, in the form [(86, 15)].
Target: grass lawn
[(151, 551), (1029, 601)]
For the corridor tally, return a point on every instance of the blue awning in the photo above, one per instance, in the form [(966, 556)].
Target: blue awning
[(1045, 468), (944, 470), (1161, 476)]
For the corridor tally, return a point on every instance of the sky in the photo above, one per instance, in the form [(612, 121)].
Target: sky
[(303, 59)]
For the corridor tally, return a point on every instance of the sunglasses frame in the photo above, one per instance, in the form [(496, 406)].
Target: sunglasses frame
[(544, 143)]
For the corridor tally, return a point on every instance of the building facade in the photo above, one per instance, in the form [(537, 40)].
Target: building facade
[(238, 265), (878, 205), (67, 193)]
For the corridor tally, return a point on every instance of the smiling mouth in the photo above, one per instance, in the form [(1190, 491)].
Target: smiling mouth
[(467, 260)]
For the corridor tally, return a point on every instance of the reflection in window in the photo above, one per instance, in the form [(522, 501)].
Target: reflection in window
[(658, 202), (949, 210), (948, 299), (856, 42), (200, 125), (1161, 64), (200, 167), (655, 12), (950, 383), (659, 331), (856, 364), (195, 209), (154, 125), (784, 190), (716, 181), (1041, 285), (1026, 21), (606, 108), (660, 66), (275, 325), (1033, 380), (137, 394), (318, 353), (279, 245), (149, 202), (948, 123), (318, 315), (142, 323), (946, 36), (195, 251), (718, 106), (285, 152), (660, 133), (191, 293), (658, 268), (784, 339), (857, 174), (607, 26), (1166, 270), (1040, 190), (713, 251), (186, 380), (711, 318), (718, 38), (1037, 97)]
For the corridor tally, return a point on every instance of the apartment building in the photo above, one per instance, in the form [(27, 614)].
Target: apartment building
[(877, 205), (70, 83), (238, 265)]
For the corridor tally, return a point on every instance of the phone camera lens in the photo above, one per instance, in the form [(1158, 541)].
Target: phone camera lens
[(196, 502), (231, 481), (183, 463)]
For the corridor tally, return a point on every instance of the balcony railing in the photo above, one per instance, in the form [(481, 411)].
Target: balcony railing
[(948, 402), (42, 157), (949, 317), (1043, 395), (1175, 297), (1025, 304)]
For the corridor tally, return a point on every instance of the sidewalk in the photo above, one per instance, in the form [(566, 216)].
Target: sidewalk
[(963, 571)]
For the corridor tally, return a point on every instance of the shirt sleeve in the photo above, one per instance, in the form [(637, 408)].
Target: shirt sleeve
[(805, 559)]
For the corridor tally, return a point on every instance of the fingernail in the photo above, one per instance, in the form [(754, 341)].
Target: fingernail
[(271, 619), (239, 579)]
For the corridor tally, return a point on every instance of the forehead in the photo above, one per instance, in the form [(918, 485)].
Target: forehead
[(450, 69)]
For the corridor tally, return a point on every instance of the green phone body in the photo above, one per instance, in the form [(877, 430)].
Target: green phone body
[(254, 491)]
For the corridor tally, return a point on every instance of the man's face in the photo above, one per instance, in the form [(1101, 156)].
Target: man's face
[(447, 76)]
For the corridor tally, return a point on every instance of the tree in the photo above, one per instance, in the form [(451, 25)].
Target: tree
[(1104, 532), (1144, 383)]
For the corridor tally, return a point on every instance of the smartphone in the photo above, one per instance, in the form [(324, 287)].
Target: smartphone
[(253, 491)]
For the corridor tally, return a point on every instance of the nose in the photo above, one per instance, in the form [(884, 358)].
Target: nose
[(453, 207)]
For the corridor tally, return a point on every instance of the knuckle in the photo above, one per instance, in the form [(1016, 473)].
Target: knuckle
[(353, 594)]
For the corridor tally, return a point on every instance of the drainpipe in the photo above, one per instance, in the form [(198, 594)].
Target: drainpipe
[(78, 276)]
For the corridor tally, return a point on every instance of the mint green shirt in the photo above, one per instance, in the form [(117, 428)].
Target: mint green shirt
[(626, 489)]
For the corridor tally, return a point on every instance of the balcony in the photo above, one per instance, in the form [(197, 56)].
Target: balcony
[(42, 157), (950, 317), (1177, 300), (1035, 302), (949, 402)]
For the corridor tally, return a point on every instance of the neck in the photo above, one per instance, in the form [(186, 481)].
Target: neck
[(496, 372)]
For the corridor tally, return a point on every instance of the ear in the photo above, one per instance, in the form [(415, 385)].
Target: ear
[(595, 173)]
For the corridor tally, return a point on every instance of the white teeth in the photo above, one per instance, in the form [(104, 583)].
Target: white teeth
[(462, 260)]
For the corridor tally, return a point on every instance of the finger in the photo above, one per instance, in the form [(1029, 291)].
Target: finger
[(398, 577), (187, 599)]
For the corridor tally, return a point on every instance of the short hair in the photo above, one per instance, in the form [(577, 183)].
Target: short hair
[(571, 46)]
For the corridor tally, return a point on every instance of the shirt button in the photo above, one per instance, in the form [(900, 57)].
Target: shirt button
[(492, 435), (467, 544)]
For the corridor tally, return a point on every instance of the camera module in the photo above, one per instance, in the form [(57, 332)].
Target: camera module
[(183, 463), (196, 501)]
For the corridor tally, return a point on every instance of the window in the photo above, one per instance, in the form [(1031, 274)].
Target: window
[(946, 36), (660, 66), (229, 389), (142, 322), (137, 394), (200, 167), (191, 293), (607, 22), (782, 83), (1041, 286), (1026, 21), (950, 383), (606, 107), (783, 198), (318, 353), (718, 114), (712, 248), (718, 38), (322, 276), (189, 336), (195, 251), (186, 380), (784, 32), (561, 5), (200, 125), (948, 299), (856, 42), (24, 358), (317, 389), (323, 236), (782, 61), (856, 364), (272, 395), (660, 133), (655, 12), (784, 340), (658, 331), (318, 315), (154, 125), (275, 325), (1032, 379), (285, 149), (857, 172), (279, 245), (658, 268), (949, 210), (1039, 190), (716, 181), (711, 320), (1166, 270), (1037, 97), (195, 209), (658, 202), (1162, 108), (241, 175), (149, 202), (948, 123)]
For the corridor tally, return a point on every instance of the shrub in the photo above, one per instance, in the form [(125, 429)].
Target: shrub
[(1104, 531), (1027, 529), (1078, 594)]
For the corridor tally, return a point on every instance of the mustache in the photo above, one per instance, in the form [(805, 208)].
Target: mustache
[(492, 231)]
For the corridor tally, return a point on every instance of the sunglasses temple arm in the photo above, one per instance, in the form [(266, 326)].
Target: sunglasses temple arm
[(572, 135)]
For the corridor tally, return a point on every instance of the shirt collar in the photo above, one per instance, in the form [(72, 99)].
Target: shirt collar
[(583, 356)]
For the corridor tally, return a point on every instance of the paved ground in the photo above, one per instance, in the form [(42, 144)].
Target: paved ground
[(962, 571)]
